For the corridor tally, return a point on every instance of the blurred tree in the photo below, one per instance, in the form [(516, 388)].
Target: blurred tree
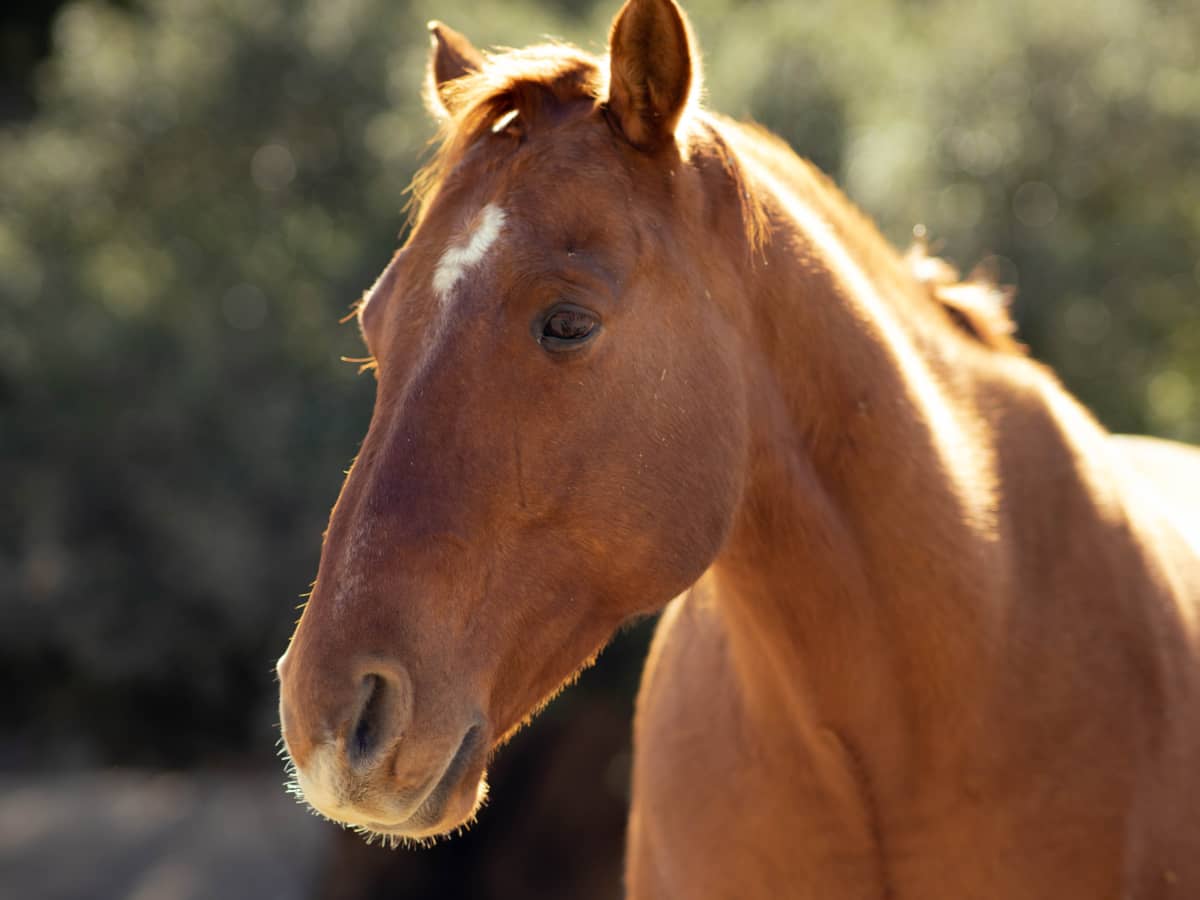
[(209, 184)]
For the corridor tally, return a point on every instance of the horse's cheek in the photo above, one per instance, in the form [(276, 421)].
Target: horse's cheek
[(694, 495)]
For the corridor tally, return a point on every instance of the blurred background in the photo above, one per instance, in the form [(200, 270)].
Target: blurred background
[(192, 194)]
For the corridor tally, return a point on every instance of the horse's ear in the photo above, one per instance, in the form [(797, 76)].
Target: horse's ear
[(452, 57), (650, 71)]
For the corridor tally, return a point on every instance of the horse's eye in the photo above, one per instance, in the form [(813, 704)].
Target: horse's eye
[(567, 327)]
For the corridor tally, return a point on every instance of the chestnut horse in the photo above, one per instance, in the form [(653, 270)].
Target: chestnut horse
[(934, 632)]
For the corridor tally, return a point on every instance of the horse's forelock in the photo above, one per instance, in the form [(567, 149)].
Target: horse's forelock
[(524, 82)]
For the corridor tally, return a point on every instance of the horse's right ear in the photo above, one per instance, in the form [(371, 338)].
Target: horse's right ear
[(652, 70), (452, 57)]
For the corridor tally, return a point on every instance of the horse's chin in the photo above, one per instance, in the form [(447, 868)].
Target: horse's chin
[(436, 817), (457, 815)]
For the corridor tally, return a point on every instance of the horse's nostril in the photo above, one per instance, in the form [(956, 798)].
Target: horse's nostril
[(383, 710), (366, 729)]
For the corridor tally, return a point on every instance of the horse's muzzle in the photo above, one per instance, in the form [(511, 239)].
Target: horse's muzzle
[(358, 762)]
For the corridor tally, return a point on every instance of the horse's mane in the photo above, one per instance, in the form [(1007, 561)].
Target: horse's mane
[(528, 80), (978, 304)]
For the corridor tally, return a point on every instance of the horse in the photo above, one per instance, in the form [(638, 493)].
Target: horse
[(928, 630)]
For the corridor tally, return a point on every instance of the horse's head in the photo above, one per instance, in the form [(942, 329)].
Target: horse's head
[(558, 432)]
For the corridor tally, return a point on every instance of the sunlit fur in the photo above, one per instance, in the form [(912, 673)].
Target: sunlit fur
[(934, 632)]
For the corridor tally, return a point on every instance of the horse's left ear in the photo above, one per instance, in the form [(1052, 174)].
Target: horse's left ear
[(452, 57), (650, 77)]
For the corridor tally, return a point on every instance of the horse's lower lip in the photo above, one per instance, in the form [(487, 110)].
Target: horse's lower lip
[(458, 764), (431, 808)]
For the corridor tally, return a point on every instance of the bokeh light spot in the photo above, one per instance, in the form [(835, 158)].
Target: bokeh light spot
[(273, 167), (1035, 204), (1170, 396), (978, 152)]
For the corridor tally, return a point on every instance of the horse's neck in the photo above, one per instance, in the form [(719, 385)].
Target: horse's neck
[(871, 567)]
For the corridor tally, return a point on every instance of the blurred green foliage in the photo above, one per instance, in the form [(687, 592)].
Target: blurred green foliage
[(209, 184)]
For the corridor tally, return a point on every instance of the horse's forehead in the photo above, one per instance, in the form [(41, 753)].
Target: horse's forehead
[(491, 218), (469, 249)]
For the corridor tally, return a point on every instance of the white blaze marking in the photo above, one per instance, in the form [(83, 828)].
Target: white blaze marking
[(460, 257)]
